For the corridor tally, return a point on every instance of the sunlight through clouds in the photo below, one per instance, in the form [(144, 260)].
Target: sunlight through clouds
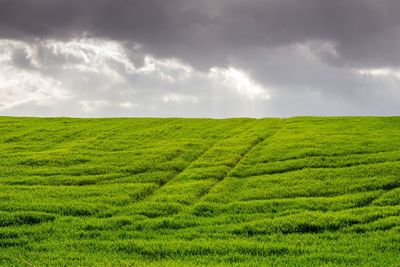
[(97, 77), (240, 82), (386, 72)]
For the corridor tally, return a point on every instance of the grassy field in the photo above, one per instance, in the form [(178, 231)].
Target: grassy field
[(189, 192)]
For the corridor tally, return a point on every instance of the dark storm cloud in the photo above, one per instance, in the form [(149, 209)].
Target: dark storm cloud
[(209, 32)]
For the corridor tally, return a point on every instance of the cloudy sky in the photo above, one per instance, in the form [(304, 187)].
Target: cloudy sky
[(199, 58)]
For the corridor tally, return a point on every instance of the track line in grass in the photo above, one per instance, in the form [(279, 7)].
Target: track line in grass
[(210, 147), (312, 198), (194, 171), (335, 155), (313, 168), (243, 156)]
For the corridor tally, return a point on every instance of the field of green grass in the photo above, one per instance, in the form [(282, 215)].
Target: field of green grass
[(303, 191)]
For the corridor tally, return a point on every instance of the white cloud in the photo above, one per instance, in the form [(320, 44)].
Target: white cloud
[(170, 70), (9, 47), (91, 56), (35, 90), (19, 87), (127, 105), (176, 98), (90, 106), (240, 82), (385, 72)]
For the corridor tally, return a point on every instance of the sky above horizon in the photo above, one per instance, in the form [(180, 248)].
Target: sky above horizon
[(199, 58)]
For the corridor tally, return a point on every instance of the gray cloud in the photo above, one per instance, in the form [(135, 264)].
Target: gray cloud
[(308, 55), (365, 32)]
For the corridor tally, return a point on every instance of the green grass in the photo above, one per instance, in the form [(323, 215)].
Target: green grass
[(303, 191)]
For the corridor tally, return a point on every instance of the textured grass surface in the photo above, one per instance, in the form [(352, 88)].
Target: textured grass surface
[(189, 192)]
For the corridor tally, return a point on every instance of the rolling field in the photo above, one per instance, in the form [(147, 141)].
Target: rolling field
[(303, 191)]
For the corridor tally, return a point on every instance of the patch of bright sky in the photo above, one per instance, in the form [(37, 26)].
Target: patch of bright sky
[(380, 72), (240, 82)]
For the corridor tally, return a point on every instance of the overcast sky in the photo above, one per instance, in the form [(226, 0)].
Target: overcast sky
[(199, 58)]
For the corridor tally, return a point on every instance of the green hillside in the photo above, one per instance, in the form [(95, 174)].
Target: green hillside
[(189, 192)]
